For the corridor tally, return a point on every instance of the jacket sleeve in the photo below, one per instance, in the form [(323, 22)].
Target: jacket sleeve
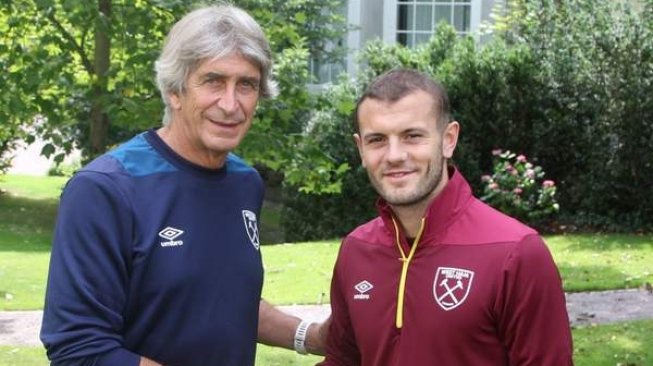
[(88, 277), (534, 324), (341, 349)]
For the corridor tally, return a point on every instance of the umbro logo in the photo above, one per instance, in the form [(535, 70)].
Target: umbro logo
[(363, 287), (170, 234)]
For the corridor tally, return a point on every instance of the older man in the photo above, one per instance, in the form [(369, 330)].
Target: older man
[(156, 255)]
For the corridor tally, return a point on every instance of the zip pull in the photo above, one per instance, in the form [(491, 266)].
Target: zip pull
[(399, 318)]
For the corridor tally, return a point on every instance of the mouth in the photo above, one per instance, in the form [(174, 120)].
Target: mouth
[(224, 124), (396, 175)]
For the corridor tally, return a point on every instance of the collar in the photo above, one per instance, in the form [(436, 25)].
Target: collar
[(441, 212)]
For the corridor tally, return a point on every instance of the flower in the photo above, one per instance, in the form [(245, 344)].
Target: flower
[(548, 184), (514, 187)]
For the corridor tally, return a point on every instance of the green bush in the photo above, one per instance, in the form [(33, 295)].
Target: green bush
[(307, 215), (516, 187), (594, 64), (568, 81)]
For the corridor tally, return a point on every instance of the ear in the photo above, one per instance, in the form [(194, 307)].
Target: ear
[(450, 139), (359, 145), (173, 100)]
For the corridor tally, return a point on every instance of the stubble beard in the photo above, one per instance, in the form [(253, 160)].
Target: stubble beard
[(422, 191)]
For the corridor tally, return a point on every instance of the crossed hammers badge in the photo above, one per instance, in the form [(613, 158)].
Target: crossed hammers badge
[(451, 286)]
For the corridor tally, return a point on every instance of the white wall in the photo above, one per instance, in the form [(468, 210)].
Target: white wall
[(28, 160)]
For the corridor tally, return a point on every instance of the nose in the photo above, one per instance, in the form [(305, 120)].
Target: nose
[(395, 153), (228, 101)]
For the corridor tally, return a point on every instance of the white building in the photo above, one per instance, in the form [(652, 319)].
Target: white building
[(409, 22)]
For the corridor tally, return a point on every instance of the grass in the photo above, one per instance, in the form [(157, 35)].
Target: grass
[(300, 274), (592, 262), (27, 213), (33, 187), (23, 356), (626, 344)]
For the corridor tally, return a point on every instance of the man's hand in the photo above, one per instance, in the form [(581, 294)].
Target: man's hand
[(316, 337), (277, 329)]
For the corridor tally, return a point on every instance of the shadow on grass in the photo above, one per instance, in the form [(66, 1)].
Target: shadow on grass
[(26, 224)]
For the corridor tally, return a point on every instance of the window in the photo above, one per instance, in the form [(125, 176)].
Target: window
[(416, 19), (327, 68), (324, 71)]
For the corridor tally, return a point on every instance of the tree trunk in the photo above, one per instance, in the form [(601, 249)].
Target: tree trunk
[(99, 118)]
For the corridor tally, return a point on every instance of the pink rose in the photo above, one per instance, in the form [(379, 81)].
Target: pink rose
[(496, 152), (548, 184), (530, 173), (521, 158)]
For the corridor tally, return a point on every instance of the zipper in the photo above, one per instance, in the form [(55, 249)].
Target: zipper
[(405, 260)]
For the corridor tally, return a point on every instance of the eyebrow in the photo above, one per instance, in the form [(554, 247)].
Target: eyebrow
[(211, 75), (414, 130), (372, 135)]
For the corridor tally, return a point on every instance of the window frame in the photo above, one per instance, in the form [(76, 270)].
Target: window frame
[(390, 15)]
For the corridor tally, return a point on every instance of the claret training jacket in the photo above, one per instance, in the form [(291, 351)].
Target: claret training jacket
[(475, 288)]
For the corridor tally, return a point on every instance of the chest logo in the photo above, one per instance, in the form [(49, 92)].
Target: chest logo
[(451, 286), (363, 287), (249, 218), (170, 234)]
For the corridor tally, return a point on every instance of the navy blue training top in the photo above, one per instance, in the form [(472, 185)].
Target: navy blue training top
[(155, 256)]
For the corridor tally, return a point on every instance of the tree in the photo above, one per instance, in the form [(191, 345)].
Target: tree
[(86, 69), (280, 137)]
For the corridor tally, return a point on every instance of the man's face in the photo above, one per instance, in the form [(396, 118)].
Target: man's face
[(402, 149), (215, 111)]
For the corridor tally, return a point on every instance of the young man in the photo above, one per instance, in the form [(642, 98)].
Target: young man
[(156, 259), (439, 278)]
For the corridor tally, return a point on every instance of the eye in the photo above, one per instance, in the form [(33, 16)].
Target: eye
[(247, 86), (413, 136), (213, 82), (374, 140)]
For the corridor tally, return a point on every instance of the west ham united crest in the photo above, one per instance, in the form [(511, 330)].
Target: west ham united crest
[(451, 286), (251, 227)]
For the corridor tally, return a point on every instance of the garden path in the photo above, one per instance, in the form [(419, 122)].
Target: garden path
[(21, 328)]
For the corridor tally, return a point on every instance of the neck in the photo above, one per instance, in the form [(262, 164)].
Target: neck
[(177, 141), (410, 216)]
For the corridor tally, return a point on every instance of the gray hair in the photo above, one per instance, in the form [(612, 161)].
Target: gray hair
[(210, 33)]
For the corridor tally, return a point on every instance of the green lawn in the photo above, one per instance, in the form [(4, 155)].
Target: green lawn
[(591, 262), (625, 344), (300, 273)]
